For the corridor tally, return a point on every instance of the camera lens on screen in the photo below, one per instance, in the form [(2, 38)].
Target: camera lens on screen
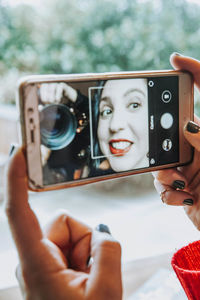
[(57, 126)]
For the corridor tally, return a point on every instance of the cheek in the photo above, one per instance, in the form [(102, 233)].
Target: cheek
[(139, 124), (102, 130)]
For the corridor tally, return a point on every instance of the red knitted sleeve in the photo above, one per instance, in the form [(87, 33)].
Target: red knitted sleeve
[(186, 264)]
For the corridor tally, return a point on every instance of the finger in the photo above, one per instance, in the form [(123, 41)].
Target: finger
[(187, 63), (72, 237), (70, 92), (192, 133), (59, 92), (173, 197), (52, 87), (43, 92), (45, 154), (47, 92), (24, 225), (104, 165), (171, 177), (106, 266)]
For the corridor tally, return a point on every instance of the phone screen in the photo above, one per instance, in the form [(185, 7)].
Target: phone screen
[(96, 128)]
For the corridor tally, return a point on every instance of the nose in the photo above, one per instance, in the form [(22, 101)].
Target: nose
[(118, 121)]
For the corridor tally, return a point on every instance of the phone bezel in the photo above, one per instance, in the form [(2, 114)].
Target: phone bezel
[(27, 91)]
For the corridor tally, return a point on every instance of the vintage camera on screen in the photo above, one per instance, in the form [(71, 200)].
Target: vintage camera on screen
[(59, 125), (65, 126)]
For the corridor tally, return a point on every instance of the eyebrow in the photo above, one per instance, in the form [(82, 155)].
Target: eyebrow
[(105, 99), (134, 90)]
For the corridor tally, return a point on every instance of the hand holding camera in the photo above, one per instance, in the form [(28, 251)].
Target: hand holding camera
[(56, 93)]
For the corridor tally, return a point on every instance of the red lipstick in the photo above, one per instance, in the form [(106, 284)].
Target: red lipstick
[(120, 147)]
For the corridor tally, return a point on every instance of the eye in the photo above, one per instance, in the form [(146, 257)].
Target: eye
[(105, 112), (134, 105)]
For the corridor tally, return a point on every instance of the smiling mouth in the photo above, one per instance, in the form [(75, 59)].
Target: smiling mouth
[(120, 147)]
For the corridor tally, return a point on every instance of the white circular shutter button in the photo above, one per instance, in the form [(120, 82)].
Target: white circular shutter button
[(166, 121)]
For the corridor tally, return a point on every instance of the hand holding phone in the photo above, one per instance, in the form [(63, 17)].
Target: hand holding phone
[(120, 124), (189, 194)]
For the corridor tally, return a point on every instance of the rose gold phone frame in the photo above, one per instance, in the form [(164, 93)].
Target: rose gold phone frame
[(30, 125)]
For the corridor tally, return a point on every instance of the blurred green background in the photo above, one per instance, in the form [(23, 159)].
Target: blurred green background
[(93, 36)]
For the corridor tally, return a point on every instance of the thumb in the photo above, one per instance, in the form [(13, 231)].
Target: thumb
[(180, 62), (192, 133), (106, 266)]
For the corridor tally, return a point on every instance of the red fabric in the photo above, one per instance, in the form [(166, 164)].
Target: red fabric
[(186, 264)]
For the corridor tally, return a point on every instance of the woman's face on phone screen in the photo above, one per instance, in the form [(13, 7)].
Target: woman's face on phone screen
[(123, 124)]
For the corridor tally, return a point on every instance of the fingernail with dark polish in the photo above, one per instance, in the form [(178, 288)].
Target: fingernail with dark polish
[(176, 53), (178, 184), (192, 127), (12, 148), (103, 228), (88, 260), (188, 202)]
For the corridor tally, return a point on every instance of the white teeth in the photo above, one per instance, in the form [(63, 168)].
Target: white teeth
[(121, 145)]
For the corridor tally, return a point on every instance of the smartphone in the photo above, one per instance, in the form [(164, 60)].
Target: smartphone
[(84, 128)]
